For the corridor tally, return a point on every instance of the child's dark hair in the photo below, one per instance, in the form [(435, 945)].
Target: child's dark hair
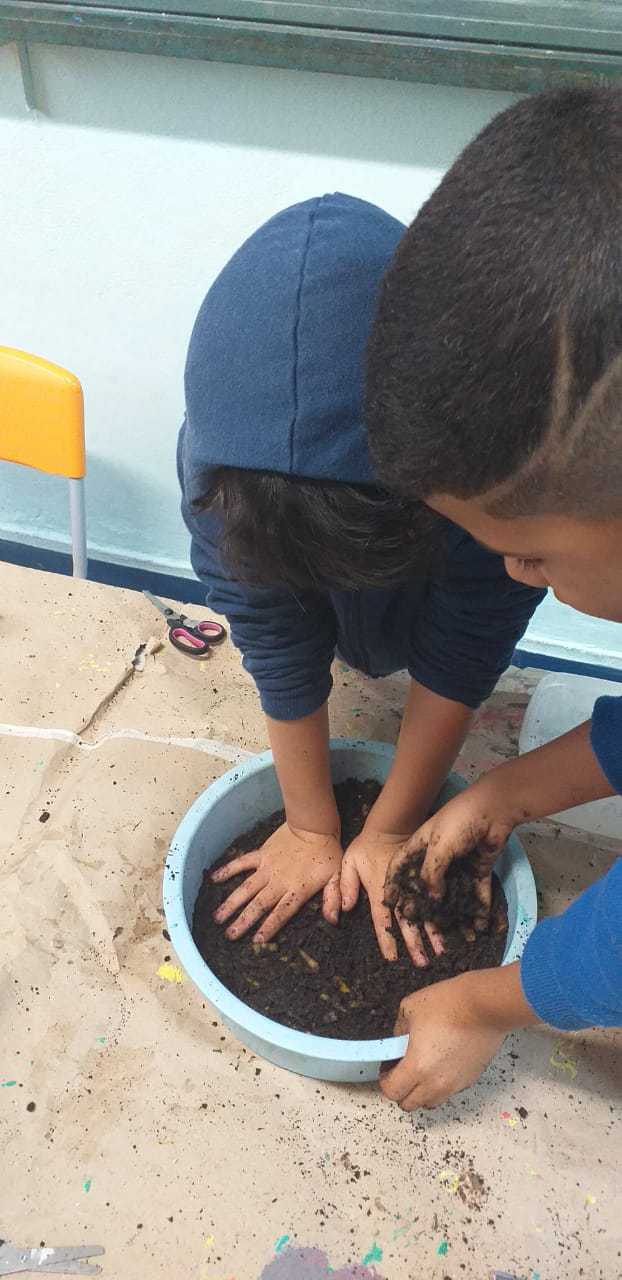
[(495, 361), (310, 534)]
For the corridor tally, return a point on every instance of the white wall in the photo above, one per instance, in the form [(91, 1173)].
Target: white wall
[(119, 202)]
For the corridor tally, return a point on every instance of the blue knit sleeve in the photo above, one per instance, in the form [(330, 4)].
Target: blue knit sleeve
[(287, 642), (571, 970), (607, 738), (470, 623)]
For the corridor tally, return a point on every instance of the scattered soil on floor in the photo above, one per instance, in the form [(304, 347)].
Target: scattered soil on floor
[(323, 978)]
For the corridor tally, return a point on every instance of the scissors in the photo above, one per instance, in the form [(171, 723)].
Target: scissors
[(49, 1262), (195, 639)]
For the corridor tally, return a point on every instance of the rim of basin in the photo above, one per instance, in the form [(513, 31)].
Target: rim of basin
[(229, 1005)]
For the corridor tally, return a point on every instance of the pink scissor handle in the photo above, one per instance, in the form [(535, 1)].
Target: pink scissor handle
[(196, 641), (212, 630)]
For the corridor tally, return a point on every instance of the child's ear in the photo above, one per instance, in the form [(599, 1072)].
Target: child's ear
[(531, 572)]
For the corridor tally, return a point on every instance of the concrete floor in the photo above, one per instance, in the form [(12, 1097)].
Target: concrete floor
[(156, 1134)]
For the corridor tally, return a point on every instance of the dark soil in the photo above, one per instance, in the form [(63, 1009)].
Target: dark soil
[(322, 978), (459, 904)]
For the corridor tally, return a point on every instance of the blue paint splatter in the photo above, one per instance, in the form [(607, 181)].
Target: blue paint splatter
[(442, 1249), (280, 1243), (374, 1255)]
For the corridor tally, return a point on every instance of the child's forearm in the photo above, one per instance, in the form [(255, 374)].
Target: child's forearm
[(495, 998), (432, 733), (557, 776), (301, 757)]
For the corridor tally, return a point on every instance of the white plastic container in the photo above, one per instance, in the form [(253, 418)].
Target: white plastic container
[(559, 703), (231, 805)]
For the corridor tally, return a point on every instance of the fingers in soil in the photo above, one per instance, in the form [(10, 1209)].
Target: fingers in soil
[(354, 992)]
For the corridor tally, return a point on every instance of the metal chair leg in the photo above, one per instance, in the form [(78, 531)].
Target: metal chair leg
[(77, 513)]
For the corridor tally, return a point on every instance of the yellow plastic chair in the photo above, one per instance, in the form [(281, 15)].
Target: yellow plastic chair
[(42, 426)]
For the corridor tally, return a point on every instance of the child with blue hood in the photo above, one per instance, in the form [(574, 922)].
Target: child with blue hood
[(308, 556)]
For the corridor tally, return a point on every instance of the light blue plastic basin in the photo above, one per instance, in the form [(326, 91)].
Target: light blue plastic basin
[(233, 804)]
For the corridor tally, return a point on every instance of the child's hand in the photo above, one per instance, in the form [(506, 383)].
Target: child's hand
[(289, 869), (474, 823), (450, 1043), (365, 863)]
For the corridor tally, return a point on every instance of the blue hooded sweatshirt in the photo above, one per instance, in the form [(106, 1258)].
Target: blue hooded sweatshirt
[(274, 381)]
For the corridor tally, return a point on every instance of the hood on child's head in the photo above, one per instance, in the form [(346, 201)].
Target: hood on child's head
[(274, 375)]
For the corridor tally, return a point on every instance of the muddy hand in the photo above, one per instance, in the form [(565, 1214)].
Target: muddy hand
[(459, 830), (365, 863), (450, 1043), (291, 867), (361, 865)]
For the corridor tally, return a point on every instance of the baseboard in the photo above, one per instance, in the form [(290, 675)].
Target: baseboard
[(191, 591), (574, 666), (113, 574)]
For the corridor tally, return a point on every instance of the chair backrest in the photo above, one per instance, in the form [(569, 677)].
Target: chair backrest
[(41, 415)]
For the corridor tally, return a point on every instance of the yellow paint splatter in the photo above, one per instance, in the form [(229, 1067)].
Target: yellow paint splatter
[(562, 1061), (170, 973), (590, 1199), (209, 1242), (452, 1180), (89, 664)]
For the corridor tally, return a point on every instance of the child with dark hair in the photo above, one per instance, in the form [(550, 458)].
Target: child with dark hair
[(494, 395), (307, 556)]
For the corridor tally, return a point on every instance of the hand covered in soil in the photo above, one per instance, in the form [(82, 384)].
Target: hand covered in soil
[(288, 869), (467, 825), (451, 1041), (366, 863)]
